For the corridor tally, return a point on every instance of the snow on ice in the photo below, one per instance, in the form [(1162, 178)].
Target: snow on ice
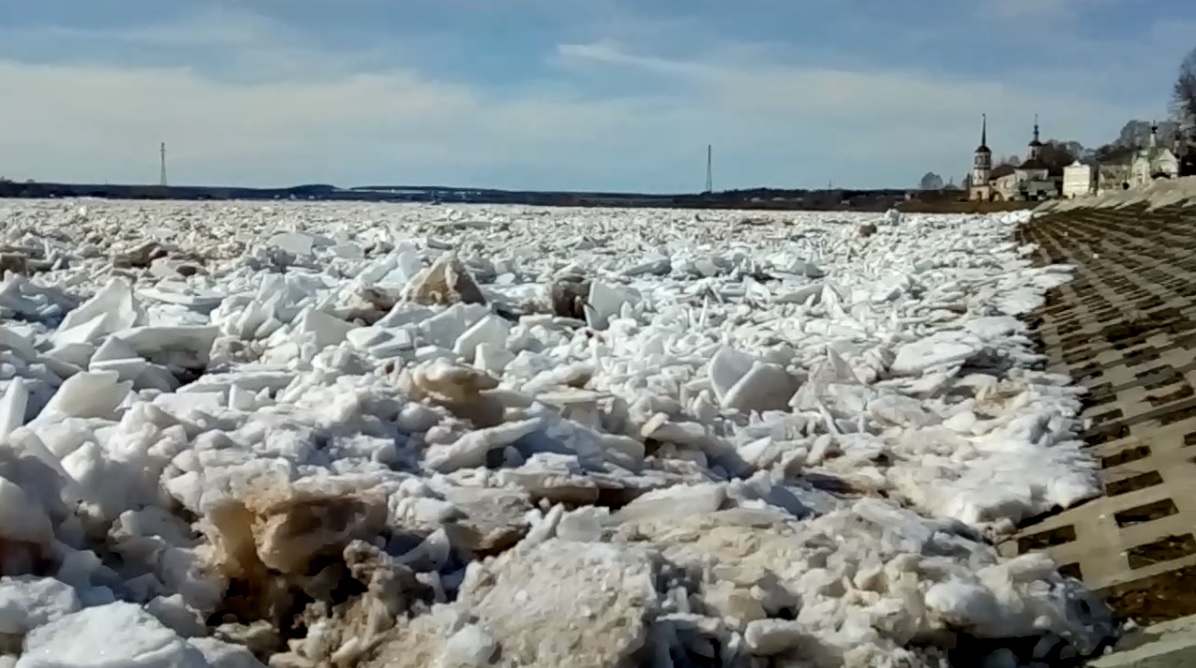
[(375, 435)]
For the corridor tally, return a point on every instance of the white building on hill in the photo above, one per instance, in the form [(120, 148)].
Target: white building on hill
[(1078, 180), (1133, 167), (1154, 161)]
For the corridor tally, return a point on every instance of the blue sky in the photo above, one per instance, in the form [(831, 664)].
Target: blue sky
[(567, 94)]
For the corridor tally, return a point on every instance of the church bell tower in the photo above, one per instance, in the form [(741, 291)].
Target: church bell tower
[(982, 160), (1035, 143)]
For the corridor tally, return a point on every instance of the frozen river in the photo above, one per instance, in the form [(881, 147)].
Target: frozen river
[(379, 435)]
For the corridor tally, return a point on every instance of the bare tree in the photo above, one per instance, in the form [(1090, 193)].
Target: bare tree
[(1056, 155), (1183, 96)]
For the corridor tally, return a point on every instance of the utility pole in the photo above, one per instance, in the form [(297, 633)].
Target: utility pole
[(709, 168), (162, 176)]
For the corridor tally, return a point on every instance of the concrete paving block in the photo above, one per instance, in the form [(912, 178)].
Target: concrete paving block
[(1125, 328), (1166, 645)]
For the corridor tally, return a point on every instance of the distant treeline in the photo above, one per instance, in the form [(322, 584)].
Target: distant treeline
[(755, 198), (144, 192)]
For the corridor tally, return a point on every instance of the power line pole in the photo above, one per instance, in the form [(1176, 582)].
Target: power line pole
[(709, 168), (162, 176)]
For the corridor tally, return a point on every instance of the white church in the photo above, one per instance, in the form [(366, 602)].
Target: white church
[(1029, 180), (1137, 166)]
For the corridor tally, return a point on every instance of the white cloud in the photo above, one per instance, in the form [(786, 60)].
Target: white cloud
[(1029, 10), (94, 122), (207, 27), (776, 123), (893, 102), (1034, 13)]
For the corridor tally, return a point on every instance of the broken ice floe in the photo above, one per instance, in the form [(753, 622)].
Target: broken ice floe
[(382, 436)]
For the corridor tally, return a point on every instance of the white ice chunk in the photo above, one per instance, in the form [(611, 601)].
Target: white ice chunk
[(470, 450), (444, 328), (325, 329), (470, 647), (769, 637), (12, 406), (114, 308), (27, 602), (604, 302), (185, 346), (95, 394), (11, 340), (934, 351), (117, 635), (21, 519), (490, 330), (492, 358), (75, 354), (220, 654), (995, 326), (764, 387), (118, 356), (295, 243), (726, 369)]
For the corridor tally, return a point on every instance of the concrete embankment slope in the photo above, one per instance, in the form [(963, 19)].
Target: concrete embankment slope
[(1125, 328)]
